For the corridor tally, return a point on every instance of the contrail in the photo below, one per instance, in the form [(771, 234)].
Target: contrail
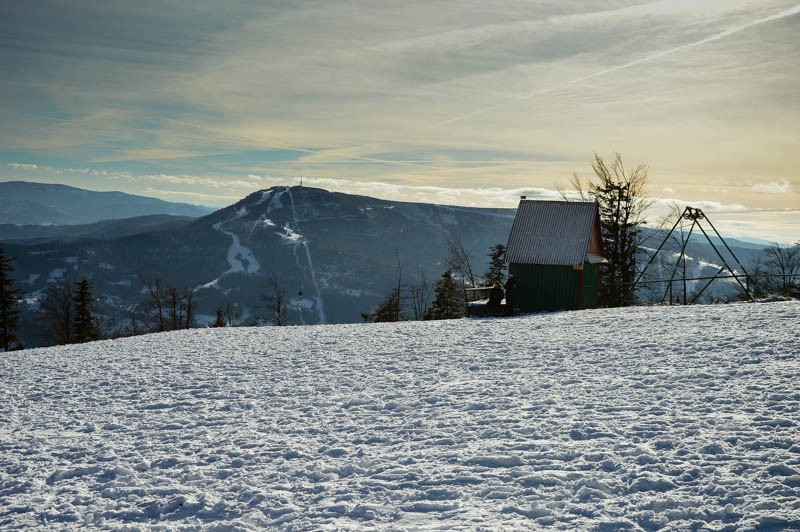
[(658, 55)]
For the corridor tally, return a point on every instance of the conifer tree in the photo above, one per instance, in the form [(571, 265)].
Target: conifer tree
[(448, 302), (621, 200), (9, 301), (219, 321), (496, 272), (84, 328), (387, 310)]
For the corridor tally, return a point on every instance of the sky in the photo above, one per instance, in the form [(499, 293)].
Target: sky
[(472, 102)]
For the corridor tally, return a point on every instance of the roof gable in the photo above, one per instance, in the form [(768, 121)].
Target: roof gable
[(551, 232)]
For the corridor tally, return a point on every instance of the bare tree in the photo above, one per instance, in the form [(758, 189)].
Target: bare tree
[(758, 281), (784, 263), (155, 306), (167, 307), (173, 308), (420, 296), (275, 302), (55, 313), (188, 304), (397, 292), (458, 263)]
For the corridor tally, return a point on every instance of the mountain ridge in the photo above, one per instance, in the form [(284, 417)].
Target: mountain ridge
[(31, 203)]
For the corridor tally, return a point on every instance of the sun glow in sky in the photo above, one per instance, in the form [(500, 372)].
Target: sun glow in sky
[(469, 102)]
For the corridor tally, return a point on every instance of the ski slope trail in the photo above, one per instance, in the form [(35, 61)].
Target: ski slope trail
[(240, 257), (651, 418), (274, 198), (301, 241)]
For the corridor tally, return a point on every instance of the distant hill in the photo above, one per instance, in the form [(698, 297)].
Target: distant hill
[(25, 203), (106, 229)]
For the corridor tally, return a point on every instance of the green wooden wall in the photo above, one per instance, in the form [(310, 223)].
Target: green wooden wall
[(542, 288)]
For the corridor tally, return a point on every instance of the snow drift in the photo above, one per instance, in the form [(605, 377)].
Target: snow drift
[(638, 418)]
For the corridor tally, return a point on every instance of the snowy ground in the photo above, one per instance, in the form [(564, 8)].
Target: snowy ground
[(642, 418)]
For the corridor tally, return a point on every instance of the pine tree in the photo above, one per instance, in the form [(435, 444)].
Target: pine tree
[(219, 321), (621, 200), (387, 310), (9, 301), (448, 302), (496, 272), (84, 328)]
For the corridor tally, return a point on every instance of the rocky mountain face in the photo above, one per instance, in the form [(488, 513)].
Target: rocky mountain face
[(25, 203), (334, 255)]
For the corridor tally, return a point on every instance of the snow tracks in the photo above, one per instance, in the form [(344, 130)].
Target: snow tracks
[(642, 419)]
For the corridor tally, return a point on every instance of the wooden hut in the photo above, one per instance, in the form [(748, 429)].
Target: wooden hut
[(554, 252)]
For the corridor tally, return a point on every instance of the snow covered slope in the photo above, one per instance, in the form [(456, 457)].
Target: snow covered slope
[(637, 418)]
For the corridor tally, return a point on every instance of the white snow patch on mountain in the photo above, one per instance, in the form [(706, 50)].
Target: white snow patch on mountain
[(274, 196), (289, 234), (55, 274), (637, 418), (240, 257)]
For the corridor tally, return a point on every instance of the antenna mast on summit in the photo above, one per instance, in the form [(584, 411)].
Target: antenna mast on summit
[(301, 181)]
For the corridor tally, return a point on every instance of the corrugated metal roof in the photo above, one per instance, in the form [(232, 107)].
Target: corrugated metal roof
[(551, 232)]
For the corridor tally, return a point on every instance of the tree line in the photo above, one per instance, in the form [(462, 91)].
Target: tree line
[(69, 312), (448, 297)]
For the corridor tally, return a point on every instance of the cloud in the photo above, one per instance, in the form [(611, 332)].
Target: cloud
[(646, 59), (195, 97), (189, 196), (24, 166), (665, 207), (774, 187), (467, 197)]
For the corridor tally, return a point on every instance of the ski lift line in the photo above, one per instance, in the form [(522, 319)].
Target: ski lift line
[(706, 277), (304, 243)]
